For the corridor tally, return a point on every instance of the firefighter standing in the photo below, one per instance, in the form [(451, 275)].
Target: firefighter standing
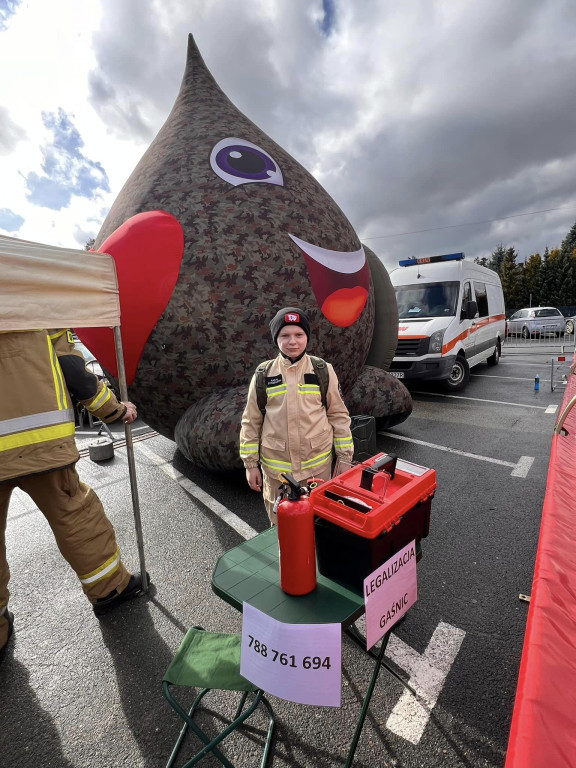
[(297, 432), (38, 371)]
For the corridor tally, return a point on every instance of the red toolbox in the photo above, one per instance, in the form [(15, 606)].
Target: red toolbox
[(358, 528)]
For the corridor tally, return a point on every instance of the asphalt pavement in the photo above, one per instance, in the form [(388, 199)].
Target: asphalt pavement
[(82, 692)]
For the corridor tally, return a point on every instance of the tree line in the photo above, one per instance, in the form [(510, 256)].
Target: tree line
[(547, 280)]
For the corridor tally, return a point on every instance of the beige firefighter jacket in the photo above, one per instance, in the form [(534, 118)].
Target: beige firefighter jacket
[(297, 433), (38, 370)]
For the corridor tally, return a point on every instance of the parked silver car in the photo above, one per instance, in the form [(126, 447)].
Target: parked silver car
[(536, 321)]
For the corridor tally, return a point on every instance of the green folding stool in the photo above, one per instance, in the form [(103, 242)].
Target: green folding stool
[(211, 661)]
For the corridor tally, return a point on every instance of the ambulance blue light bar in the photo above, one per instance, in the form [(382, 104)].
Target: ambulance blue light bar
[(431, 259)]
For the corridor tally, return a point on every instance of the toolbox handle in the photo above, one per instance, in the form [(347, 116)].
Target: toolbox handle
[(386, 463)]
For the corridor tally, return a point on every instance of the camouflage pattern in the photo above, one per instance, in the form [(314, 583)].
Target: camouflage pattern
[(238, 267), (377, 393), (208, 433), (385, 334)]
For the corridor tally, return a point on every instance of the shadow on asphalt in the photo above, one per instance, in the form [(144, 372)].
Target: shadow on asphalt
[(34, 724), (140, 657)]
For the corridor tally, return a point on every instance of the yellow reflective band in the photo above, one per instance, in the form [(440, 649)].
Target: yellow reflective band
[(273, 391), (304, 389), (56, 375), (320, 459), (34, 436), (248, 451), (311, 464), (61, 389), (100, 399), (57, 335), (342, 442), (111, 565), (35, 421), (275, 463)]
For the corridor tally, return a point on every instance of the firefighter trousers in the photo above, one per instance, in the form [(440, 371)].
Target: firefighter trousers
[(84, 535), (271, 483)]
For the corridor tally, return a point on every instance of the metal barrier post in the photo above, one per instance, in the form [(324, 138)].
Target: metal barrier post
[(560, 423), (560, 359)]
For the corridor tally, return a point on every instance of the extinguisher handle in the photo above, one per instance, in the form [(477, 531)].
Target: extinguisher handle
[(295, 490)]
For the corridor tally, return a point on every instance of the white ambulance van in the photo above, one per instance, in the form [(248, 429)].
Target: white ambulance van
[(451, 317)]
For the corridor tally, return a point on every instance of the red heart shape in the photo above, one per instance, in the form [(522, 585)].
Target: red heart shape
[(147, 250)]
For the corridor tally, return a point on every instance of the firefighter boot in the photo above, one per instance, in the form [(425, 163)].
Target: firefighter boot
[(132, 589)]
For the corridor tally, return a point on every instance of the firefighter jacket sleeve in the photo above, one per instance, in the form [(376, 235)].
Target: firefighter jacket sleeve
[(339, 418), (92, 393), (251, 429)]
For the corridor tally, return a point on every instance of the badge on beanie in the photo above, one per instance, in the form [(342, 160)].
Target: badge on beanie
[(291, 317)]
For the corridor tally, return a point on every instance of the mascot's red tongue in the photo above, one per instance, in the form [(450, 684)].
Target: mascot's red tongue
[(147, 250)]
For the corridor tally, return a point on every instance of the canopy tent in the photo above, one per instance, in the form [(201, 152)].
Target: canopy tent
[(42, 286), (47, 287)]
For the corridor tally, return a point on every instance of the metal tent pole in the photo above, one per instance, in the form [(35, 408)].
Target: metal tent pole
[(130, 454)]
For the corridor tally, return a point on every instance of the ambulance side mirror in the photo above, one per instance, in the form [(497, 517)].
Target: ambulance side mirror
[(470, 309)]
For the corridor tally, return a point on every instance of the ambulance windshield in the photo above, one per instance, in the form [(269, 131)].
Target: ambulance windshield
[(427, 300)]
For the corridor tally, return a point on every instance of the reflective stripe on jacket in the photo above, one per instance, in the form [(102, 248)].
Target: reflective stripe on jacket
[(37, 370), (297, 433)]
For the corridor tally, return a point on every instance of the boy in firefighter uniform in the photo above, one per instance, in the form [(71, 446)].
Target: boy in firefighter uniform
[(38, 371), (296, 433)]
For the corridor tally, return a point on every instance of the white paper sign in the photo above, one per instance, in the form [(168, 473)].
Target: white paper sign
[(296, 662), (388, 593)]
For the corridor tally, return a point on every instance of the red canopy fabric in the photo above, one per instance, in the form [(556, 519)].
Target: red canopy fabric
[(543, 730)]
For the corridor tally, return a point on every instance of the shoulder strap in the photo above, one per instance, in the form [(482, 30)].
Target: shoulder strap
[(261, 372), (321, 370)]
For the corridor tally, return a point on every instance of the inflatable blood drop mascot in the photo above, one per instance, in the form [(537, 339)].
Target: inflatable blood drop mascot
[(216, 228)]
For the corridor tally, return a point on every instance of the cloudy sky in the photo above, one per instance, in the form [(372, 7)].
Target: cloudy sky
[(436, 125)]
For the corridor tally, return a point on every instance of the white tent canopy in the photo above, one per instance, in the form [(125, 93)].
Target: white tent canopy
[(42, 286), (47, 287)]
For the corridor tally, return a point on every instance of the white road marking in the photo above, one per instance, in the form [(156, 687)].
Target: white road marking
[(523, 466), (551, 409), (235, 522), (510, 378), (520, 469), (479, 400), (428, 673)]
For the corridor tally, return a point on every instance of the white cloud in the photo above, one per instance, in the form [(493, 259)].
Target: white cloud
[(414, 116)]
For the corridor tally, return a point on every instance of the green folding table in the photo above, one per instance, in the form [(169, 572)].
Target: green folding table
[(249, 573)]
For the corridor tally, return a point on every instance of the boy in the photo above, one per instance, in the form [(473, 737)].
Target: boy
[(296, 432)]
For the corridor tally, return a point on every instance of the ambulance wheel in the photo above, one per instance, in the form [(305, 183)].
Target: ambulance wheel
[(459, 375), (494, 358)]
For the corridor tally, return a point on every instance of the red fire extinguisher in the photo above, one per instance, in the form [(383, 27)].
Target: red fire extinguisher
[(295, 522)]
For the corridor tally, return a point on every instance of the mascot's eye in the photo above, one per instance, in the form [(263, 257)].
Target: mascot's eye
[(239, 162)]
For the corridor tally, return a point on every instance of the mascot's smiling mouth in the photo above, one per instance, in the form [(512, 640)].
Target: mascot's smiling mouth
[(340, 281)]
